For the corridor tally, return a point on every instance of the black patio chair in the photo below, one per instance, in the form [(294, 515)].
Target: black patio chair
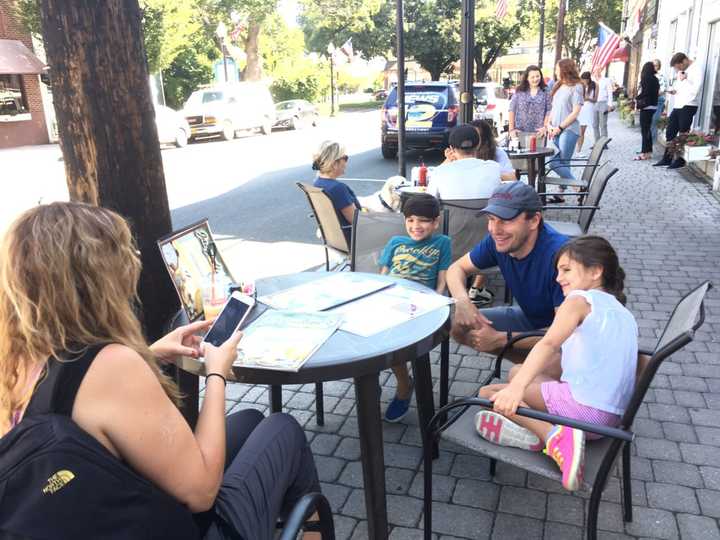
[(587, 207), (600, 455), (589, 165), (331, 230), (297, 520)]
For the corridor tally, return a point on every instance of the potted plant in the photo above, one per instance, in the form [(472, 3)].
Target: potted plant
[(693, 146)]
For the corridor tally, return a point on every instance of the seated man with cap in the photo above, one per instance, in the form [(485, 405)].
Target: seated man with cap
[(463, 176), (524, 247)]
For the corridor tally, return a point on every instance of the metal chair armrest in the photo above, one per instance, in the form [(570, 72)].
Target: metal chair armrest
[(571, 207), (646, 352), (564, 194), (302, 510)]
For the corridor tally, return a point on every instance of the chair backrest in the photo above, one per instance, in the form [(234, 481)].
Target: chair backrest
[(326, 216), (370, 233), (686, 318), (593, 162), (465, 225), (595, 193)]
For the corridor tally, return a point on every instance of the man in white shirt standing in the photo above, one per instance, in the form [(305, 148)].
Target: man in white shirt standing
[(604, 104), (687, 91), (462, 175)]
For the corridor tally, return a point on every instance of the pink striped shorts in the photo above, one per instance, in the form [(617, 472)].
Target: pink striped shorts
[(560, 401)]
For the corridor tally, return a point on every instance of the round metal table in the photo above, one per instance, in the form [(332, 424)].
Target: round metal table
[(536, 163), (347, 355)]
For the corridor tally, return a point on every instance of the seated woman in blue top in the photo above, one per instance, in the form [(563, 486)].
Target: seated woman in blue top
[(330, 162)]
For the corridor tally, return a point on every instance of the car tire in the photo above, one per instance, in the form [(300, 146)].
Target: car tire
[(181, 138), (388, 152), (266, 128), (228, 132)]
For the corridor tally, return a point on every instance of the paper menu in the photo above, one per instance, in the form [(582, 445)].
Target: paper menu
[(392, 307), (325, 293), (284, 340)]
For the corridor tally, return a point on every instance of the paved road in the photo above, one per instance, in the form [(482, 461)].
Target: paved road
[(247, 186)]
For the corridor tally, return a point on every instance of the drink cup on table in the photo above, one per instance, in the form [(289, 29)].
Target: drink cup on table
[(215, 294)]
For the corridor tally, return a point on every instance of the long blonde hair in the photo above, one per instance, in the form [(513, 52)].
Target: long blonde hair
[(68, 280)]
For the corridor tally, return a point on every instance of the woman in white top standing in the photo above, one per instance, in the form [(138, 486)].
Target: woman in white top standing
[(583, 368), (587, 112)]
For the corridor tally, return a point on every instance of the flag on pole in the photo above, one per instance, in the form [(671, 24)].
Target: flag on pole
[(607, 42), (501, 8), (347, 49)]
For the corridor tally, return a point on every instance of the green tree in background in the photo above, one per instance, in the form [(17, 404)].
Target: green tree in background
[(432, 37), (494, 37), (581, 23)]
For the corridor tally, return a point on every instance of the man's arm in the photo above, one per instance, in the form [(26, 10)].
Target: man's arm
[(466, 314)]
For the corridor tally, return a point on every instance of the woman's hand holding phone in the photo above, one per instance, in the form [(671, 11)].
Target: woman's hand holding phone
[(182, 341), (220, 359)]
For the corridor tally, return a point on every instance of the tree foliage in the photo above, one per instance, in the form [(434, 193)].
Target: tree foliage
[(369, 23), (581, 23), (493, 38), (433, 34)]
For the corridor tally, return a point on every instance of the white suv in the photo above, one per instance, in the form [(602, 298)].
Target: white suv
[(491, 103), (225, 109)]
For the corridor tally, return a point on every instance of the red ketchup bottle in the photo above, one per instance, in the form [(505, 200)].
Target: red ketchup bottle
[(422, 174), (533, 143)]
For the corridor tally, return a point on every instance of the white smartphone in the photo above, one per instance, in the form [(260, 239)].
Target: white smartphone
[(230, 318)]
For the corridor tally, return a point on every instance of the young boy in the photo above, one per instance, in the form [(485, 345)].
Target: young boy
[(422, 256)]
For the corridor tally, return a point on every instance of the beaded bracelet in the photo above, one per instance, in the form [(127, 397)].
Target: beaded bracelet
[(224, 380)]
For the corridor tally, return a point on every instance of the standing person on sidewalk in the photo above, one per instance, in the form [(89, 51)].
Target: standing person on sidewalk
[(646, 102), (661, 98), (604, 105), (687, 91), (530, 105), (587, 113), (562, 125)]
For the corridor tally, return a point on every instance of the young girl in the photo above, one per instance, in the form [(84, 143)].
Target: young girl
[(583, 368)]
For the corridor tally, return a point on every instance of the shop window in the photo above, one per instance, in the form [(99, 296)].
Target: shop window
[(12, 96), (708, 118)]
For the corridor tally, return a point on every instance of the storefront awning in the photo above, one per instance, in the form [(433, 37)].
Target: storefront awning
[(17, 59), (621, 54)]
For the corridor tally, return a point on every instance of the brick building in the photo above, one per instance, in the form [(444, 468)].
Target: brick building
[(22, 116)]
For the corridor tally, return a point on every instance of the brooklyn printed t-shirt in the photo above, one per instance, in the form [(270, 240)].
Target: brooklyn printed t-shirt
[(417, 261)]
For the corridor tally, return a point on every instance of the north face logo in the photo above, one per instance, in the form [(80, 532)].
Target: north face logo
[(58, 481)]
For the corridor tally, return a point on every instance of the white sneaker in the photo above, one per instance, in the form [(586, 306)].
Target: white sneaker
[(494, 427)]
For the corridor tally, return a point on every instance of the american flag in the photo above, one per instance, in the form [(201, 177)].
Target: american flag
[(501, 8), (608, 41)]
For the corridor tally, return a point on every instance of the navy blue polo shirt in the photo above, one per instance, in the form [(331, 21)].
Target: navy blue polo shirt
[(532, 278)]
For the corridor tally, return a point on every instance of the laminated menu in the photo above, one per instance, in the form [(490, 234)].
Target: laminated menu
[(284, 340)]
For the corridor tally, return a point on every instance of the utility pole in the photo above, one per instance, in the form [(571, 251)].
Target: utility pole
[(400, 44), (332, 86), (560, 31), (541, 45), (467, 31)]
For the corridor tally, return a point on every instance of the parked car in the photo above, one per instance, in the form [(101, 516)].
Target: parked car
[(491, 103), (431, 110), (380, 95), (296, 114), (172, 127), (225, 109)]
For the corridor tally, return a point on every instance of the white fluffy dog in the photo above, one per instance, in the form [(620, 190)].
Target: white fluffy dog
[(388, 198)]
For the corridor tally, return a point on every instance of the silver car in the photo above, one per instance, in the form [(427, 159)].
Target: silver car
[(172, 127), (295, 114)]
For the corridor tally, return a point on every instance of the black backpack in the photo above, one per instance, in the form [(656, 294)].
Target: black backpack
[(57, 482)]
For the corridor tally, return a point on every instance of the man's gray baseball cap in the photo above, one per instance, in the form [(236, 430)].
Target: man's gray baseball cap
[(510, 199)]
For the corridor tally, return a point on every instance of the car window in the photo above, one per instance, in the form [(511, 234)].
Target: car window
[(481, 94), (438, 96), (209, 97), (500, 93), (284, 106)]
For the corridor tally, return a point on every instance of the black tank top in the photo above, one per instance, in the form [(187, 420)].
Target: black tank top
[(58, 386)]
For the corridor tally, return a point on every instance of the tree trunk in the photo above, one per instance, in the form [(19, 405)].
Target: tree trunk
[(253, 69), (107, 130)]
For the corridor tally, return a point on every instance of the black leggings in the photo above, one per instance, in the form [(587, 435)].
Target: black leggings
[(268, 468), (646, 116)]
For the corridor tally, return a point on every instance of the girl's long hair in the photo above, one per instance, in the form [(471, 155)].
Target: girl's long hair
[(68, 278), (568, 74), (524, 85), (647, 73), (596, 251), (590, 88), (488, 145)]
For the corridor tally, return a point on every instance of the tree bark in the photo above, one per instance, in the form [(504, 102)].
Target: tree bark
[(253, 69), (107, 130)]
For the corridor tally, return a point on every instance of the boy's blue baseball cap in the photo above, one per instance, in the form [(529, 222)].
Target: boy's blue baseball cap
[(510, 199)]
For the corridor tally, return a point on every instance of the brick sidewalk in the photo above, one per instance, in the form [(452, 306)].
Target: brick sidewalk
[(665, 228)]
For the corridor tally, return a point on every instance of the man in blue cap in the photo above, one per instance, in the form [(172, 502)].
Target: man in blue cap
[(524, 248)]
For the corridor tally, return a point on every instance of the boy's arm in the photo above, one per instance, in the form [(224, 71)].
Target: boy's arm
[(384, 271), (441, 282)]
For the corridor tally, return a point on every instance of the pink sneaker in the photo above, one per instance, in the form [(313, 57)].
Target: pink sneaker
[(566, 446), (496, 428)]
